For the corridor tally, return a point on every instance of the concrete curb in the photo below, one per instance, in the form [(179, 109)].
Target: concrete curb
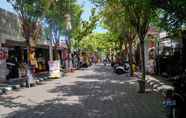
[(154, 84), (157, 85), (38, 80), (6, 88)]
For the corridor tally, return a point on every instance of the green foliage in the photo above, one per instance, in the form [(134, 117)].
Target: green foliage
[(127, 17), (57, 12), (84, 28), (30, 9), (172, 15), (116, 20), (55, 19), (30, 14), (98, 41), (140, 14), (175, 8)]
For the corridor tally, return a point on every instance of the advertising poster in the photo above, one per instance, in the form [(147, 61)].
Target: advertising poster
[(54, 69)]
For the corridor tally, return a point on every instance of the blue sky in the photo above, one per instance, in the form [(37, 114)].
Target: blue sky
[(5, 5), (87, 6)]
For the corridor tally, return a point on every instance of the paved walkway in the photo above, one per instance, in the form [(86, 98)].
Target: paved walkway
[(92, 93)]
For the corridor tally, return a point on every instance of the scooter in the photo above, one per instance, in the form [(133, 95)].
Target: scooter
[(121, 68)]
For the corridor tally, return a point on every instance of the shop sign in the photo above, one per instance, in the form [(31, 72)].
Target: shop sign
[(54, 69), (3, 54)]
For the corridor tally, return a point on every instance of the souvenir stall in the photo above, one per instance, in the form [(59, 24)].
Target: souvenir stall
[(42, 57), (16, 60)]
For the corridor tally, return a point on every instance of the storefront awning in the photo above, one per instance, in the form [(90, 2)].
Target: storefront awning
[(15, 43)]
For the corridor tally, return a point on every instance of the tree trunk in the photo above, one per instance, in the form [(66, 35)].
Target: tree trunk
[(142, 81), (51, 51), (126, 50), (183, 49), (130, 58), (69, 66), (120, 48), (56, 53), (143, 59)]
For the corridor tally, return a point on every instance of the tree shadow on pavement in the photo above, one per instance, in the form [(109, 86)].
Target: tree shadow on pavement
[(101, 68), (96, 96), (50, 109), (95, 100), (9, 102)]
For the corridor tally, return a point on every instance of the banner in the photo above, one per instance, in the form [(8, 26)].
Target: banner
[(54, 69)]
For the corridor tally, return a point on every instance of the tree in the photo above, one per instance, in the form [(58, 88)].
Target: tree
[(117, 21), (174, 8), (139, 14), (98, 41), (84, 28), (173, 20), (30, 14), (55, 20)]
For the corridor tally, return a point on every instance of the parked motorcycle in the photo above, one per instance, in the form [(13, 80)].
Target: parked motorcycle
[(174, 100), (121, 68)]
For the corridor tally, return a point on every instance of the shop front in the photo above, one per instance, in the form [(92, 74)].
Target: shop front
[(42, 57), (17, 59), (17, 52), (12, 40)]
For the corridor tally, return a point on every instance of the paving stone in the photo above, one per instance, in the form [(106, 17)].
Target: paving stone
[(92, 93)]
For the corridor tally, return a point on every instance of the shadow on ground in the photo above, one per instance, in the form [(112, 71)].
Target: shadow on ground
[(98, 95), (9, 102)]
